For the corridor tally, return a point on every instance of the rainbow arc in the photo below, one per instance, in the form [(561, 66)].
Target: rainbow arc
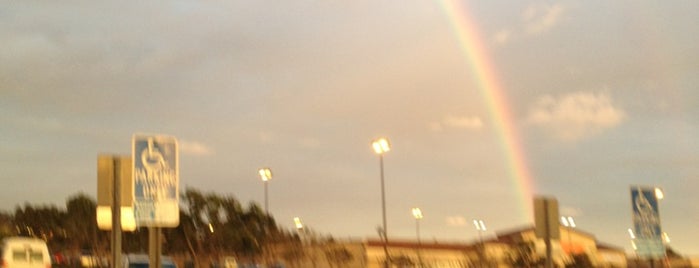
[(476, 54)]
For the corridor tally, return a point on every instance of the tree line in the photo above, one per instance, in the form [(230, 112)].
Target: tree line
[(211, 226)]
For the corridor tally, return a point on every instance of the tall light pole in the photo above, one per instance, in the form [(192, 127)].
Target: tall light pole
[(633, 244), (417, 213), (266, 175), (660, 195), (298, 223), (480, 227), (382, 146), (568, 222), (299, 229)]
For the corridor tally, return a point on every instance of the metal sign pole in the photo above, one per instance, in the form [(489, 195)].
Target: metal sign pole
[(546, 223), (116, 214), (155, 247), (547, 238)]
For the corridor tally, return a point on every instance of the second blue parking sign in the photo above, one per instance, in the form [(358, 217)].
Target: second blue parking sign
[(646, 222)]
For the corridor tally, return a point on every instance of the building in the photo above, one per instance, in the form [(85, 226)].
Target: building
[(516, 248), (574, 246)]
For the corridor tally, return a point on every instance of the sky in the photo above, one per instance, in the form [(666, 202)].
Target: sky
[(486, 104)]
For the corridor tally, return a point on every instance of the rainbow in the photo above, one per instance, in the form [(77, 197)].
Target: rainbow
[(476, 54)]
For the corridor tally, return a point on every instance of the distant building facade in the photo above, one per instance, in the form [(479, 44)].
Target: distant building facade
[(574, 246), (517, 248)]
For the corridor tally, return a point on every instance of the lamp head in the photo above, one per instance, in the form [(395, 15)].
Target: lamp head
[(265, 174), (417, 213), (381, 145)]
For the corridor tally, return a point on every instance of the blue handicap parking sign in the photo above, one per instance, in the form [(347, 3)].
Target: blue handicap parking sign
[(156, 180)]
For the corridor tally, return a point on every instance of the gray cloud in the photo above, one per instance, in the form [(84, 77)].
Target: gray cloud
[(194, 148), (575, 116), (540, 18)]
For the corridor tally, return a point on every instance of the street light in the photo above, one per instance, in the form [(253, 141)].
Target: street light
[(631, 234), (382, 146), (568, 221), (659, 193), (299, 229), (480, 226), (298, 224), (634, 247), (417, 213), (666, 238), (265, 175)]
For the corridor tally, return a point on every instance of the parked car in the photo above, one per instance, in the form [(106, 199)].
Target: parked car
[(24, 252), (142, 261), (88, 259)]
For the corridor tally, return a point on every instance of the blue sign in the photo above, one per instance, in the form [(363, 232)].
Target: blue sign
[(646, 222), (156, 181)]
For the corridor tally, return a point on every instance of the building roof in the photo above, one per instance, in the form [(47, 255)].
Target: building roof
[(394, 243), (508, 236), (609, 247)]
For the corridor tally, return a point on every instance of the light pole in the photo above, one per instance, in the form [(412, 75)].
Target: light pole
[(266, 175), (382, 146), (633, 244), (660, 195), (417, 213), (480, 226), (298, 223), (568, 222), (299, 229)]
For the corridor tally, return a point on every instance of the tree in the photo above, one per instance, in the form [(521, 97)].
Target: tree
[(38, 221), (44, 222), (216, 225), (178, 240), (255, 231), (294, 254), (81, 224), (337, 255), (195, 202), (402, 261), (580, 261), (244, 232), (524, 255), (6, 225)]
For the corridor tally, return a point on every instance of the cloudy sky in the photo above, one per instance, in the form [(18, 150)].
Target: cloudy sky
[(601, 95)]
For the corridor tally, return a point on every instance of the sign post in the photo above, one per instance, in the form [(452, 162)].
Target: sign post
[(113, 197), (546, 221), (114, 171)]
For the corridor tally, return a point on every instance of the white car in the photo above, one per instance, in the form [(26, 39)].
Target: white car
[(24, 252)]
